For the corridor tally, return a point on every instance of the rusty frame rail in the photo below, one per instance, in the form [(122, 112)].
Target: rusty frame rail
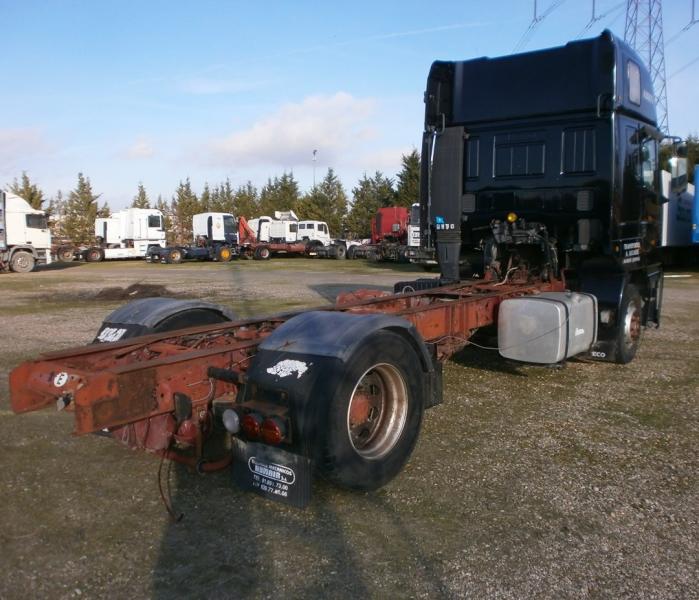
[(128, 386)]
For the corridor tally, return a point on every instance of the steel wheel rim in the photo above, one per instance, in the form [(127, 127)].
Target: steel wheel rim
[(377, 411), (22, 262), (632, 325)]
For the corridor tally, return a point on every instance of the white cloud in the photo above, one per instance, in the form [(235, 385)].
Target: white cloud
[(140, 149), (388, 160), (17, 146), (332, 125)]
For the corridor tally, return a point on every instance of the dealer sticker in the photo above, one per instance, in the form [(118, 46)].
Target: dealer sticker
[(272, 472)]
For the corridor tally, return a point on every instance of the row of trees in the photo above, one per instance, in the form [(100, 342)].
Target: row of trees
[(73, 216)]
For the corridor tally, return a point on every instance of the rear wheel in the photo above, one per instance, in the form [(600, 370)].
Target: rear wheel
[(22, 262), (174, 257), (629, 328), (350, 253), (374, 418), (65, 254), (340, 252), (262, 253)]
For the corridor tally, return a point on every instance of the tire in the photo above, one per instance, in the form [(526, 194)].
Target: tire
[(22, 262), (262, 253), (340, 252), (65, 254), (629, 328), (350, 253), (224, 254), (373, 256), (94, 255), (174, 257), (359, 452)]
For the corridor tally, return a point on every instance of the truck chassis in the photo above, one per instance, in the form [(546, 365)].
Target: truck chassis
[(166, 392)]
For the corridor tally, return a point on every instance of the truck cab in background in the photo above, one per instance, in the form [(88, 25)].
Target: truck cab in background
[(215, 237), (128, 233), (526, 166), (25, 238)]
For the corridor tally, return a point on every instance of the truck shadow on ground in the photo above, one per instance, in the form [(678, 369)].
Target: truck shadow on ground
[(487, 360), (60, 266), (234, 544)]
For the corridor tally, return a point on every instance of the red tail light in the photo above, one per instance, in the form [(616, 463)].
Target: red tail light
[(273, 430), (251, 424)]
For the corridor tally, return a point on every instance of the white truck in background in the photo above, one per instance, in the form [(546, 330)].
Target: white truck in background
[(25, 238), (126, 234), (287, 228)]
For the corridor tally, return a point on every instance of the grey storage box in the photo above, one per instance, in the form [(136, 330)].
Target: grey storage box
[(547, 328)]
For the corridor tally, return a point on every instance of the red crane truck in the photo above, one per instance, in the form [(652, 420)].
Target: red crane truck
[(539, 175)]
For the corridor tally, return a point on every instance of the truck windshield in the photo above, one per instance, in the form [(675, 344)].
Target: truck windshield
[(155, 221), (229, 225), (37, 221), (415, 214)]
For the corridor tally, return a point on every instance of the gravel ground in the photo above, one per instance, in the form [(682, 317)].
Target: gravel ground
[(578, 482)]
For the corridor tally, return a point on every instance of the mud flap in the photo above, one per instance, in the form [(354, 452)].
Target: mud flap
[(272, 472)]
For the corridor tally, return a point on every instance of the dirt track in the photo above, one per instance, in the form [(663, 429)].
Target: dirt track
[(527, 482)]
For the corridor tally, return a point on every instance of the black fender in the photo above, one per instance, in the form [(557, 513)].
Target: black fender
[(303, 361), (153, 315)]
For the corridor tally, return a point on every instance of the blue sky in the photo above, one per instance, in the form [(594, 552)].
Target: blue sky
[(155, 92)]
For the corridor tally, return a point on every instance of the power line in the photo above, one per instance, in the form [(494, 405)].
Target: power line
[(535, 22), (595, 18)]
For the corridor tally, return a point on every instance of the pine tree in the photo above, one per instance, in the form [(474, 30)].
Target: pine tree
[(184, 206), (408, 187), (80, 212), (280, 194), (370, 194), (223, 198), (326, 202), (140, 200), (56, 211), (205, 199), (164, 208), (246, 202), (28, 190), (104, 211)]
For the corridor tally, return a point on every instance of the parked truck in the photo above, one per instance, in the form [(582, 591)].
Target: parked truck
[(128, 233), (549, 195), (215, 238), (284, 233), (393, 234), (25, 238), (679, 233)]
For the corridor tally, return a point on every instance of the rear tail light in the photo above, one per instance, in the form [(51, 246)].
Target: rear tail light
[(251, 424), (273, 430)]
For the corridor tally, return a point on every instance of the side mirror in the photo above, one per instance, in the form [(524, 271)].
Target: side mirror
[(678, 172)]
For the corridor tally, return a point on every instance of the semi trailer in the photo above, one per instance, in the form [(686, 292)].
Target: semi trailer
[(546, 196), (25, 238)]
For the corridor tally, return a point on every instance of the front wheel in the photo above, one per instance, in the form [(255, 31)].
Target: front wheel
[(224, 254), (629, 328), (374, 417), (22, 262), (94, 255)]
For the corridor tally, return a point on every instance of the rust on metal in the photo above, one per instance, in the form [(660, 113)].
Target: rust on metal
[(128, 387)]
